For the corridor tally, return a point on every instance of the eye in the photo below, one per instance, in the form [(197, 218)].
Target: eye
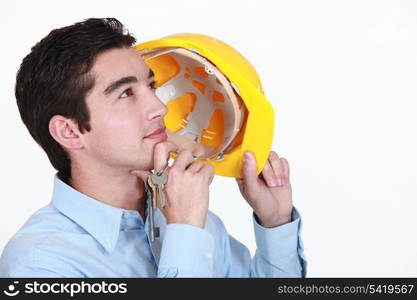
[(152, 85), (126, 93)]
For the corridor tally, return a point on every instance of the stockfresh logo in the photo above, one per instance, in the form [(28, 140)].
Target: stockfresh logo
[(12, 290)]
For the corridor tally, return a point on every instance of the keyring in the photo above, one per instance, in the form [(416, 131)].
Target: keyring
[(163, 169)]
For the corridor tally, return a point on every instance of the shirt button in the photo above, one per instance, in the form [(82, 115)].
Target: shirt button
[(127, 214)]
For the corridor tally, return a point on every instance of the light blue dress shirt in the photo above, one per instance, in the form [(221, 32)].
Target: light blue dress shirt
[(77, 236)]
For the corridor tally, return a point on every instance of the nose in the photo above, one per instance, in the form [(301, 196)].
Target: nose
[(157, 108)]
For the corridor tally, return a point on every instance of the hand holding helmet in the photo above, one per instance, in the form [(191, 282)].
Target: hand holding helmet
[(218, 112)]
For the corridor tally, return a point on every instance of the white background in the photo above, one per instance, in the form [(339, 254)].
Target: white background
[(342, 77)]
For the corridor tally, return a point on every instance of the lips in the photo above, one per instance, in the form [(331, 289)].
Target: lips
[(158, 133)]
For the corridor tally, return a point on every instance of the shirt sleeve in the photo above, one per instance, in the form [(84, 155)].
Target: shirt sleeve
[(279, 250), (187, 251)]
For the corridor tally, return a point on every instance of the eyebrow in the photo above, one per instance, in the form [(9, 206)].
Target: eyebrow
[(118, 83), (124, 80)]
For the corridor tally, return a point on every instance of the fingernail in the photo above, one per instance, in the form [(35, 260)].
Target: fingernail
[(246, 157)]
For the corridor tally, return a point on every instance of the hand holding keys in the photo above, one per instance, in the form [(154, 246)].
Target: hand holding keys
[(181, 190)]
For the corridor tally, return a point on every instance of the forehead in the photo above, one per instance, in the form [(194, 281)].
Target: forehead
[(114, 64)]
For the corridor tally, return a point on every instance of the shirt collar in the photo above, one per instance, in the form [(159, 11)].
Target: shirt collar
[(100, 220)]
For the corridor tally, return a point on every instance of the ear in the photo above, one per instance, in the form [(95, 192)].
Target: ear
[(65, 131)]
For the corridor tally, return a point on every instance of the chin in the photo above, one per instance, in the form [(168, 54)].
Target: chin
[(144, 159)]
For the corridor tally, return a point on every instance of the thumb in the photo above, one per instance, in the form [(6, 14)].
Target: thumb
[(142, 174), (250, 167)]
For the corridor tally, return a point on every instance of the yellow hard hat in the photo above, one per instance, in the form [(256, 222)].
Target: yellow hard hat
[(216, 106)]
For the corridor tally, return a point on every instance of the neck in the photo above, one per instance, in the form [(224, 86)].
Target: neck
[(117, 188)]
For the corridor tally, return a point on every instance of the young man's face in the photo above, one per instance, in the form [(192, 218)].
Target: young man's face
[(124, 111)]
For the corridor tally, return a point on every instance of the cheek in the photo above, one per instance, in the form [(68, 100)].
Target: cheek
[(116, 132), (116, 138), (118, 120)]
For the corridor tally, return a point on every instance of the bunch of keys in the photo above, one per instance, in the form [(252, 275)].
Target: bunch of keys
[(156, 182)]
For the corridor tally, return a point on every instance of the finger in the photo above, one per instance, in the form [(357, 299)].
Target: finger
[(195, 166), (183, 160), (269, 175), (286, 169), (277, 167), (161, 154), (250, 167), (142, 174), (208, 172)]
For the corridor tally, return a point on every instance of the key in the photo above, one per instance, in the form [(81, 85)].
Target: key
[(150, 191), (159, 179), (154, 192)]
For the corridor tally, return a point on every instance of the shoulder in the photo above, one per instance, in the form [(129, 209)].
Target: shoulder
[(43, 224), (29, 248)]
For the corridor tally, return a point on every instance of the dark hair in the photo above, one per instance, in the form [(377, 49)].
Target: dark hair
[(54, 79)]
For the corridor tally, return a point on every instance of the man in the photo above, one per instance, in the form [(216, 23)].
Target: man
[(88, 100)]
